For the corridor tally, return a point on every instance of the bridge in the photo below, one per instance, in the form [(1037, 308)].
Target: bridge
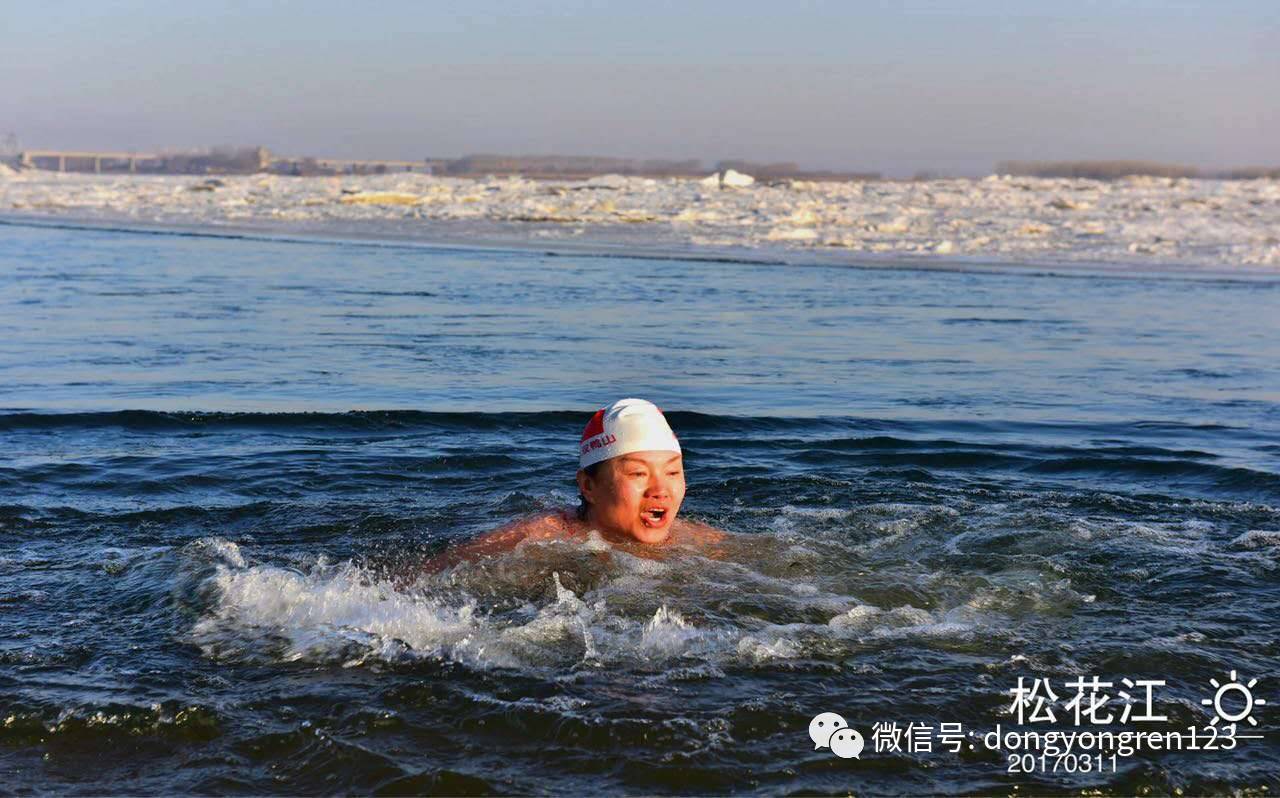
[(59, 160), (30, 158)]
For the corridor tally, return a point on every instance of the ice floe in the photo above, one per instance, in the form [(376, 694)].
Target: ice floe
[(1138, 220)]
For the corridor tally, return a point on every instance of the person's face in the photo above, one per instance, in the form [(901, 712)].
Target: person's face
[(636, 495)]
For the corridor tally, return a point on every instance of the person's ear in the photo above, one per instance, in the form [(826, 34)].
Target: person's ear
[(586, 486)]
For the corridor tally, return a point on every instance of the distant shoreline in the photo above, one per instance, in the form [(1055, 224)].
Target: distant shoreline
[(259, 160)]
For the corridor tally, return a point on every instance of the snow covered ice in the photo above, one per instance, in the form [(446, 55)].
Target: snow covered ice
[(1155, 221)]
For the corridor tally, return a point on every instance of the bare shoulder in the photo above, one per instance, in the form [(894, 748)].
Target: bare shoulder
[(699, 534), (552, 525), (543, 526)]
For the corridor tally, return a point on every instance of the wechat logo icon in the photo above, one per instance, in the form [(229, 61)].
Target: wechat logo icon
[(829, 730)]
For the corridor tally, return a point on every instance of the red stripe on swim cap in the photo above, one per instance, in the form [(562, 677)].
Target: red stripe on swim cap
[(595, 426)]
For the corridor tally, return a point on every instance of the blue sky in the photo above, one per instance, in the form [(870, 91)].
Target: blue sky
[(896, 87)]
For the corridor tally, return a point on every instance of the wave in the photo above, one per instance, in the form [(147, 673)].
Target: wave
[(97, 725), (234, 458), (19, 419), (1234, 479), (355, 420)]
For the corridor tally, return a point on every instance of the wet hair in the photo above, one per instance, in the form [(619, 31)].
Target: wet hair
[(591, 470)]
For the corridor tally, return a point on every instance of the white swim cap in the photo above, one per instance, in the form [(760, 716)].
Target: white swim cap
[(627, 425)]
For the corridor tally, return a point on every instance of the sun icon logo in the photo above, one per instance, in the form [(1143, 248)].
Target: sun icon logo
[(1246, 695)]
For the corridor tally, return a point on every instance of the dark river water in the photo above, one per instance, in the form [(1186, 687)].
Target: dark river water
[(223, 462)]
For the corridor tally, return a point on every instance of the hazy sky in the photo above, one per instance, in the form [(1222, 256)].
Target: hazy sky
[(893, 86)]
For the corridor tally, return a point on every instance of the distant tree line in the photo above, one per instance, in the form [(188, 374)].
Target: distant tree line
[(788, 170), (216, 161), (1113, 170), (1252, 173), (565, 166), (249, 160)]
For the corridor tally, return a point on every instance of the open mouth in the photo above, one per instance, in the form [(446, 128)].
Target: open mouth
[(654, 516)]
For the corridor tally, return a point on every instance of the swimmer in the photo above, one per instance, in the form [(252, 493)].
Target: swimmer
[(630, 486)]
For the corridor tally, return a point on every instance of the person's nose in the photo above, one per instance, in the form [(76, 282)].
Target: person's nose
[(659, 486)]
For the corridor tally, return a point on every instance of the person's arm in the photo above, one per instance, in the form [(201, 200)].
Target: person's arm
[(499, 541)]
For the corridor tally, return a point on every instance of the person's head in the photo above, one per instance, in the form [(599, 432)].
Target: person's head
[(631, 475)]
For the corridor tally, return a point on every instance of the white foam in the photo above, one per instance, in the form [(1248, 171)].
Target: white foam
[(856, 618), (1258, 539), (318, 614), (667, 634), (219, 550), (762, 651), (553, 605)]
